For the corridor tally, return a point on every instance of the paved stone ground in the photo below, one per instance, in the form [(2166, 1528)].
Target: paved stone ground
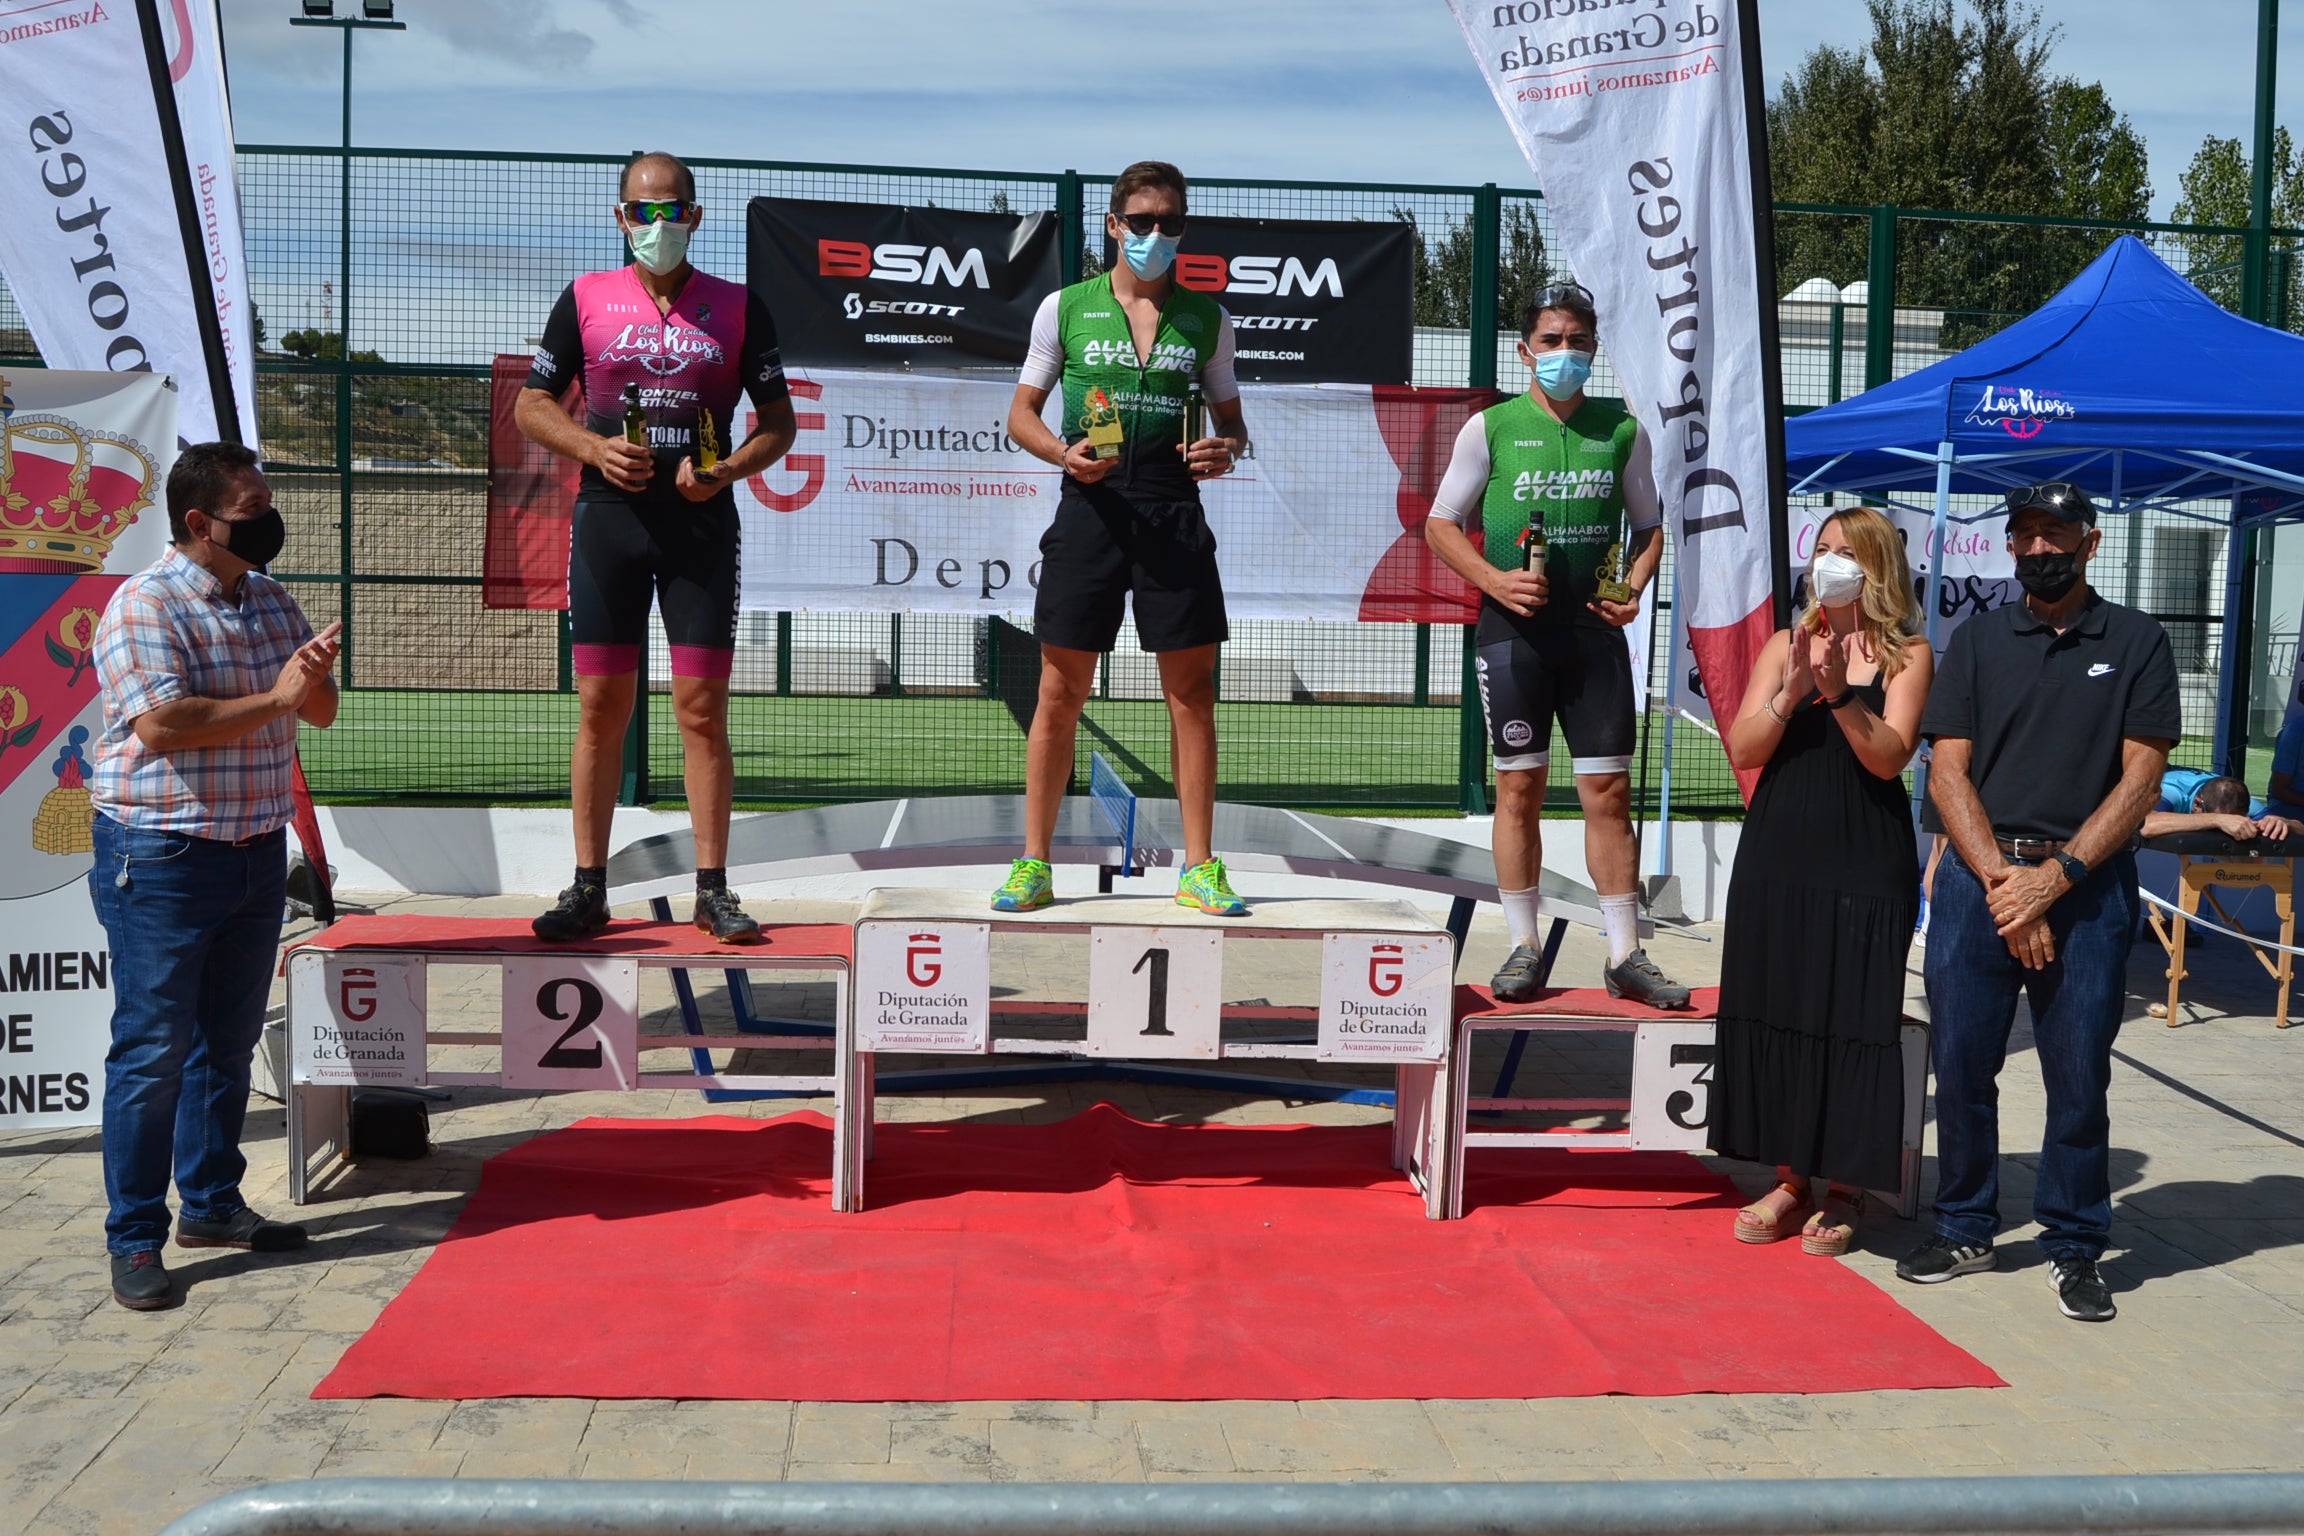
[(114, 1422)]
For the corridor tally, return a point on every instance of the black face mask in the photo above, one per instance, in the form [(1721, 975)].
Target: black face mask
[(2048, 576), (257, 540)]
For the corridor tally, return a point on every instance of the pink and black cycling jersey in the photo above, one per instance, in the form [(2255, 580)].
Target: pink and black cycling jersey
[(716, 342)]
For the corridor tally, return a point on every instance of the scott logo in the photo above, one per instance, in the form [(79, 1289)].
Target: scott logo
[(923, 964), (356, 994), (1386, 970), (1258, 274), (900, 263), (855, 306)]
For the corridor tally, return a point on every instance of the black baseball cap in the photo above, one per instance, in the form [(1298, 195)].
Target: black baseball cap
[(2058, 498)]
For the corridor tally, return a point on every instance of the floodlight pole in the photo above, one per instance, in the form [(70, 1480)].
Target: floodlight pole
[(347, 25), (2256, 259)]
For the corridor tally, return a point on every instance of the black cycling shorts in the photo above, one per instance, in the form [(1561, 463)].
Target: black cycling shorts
[(627, 550), (1102, 546), (1580, 675)]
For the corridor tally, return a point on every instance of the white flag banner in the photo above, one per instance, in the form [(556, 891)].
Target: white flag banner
[(904, 493), (93, 245), (1633, 119)]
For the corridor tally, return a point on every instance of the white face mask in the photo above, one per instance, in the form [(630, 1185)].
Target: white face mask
[(660, 247), (1835, 579)]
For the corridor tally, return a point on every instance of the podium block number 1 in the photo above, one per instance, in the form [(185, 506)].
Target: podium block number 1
[(1155, 992)]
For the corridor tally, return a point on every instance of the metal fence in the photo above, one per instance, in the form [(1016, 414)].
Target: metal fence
[(1953, 1506), (379, 458)]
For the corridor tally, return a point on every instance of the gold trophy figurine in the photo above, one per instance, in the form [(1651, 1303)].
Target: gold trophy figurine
[(1613, 588), (707, 443), (1101, 421)]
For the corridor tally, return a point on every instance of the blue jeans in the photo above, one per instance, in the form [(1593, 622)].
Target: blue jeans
[(195, 933), (2076, 1005)]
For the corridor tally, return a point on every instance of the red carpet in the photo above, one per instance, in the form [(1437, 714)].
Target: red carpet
[(1105, 1258)]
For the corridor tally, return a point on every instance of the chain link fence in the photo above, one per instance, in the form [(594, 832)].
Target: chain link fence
[(373, 397)]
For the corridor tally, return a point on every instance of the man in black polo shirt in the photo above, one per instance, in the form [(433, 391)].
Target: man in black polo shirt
[(2052, 719)]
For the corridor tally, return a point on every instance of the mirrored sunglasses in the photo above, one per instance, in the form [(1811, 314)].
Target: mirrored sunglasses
[(674, 211)]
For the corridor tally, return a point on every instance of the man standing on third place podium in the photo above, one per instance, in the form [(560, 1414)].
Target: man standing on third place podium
[(1131, 348), (1568, 471)]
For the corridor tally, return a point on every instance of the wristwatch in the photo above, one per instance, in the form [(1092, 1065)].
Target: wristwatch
[(2074, 870)]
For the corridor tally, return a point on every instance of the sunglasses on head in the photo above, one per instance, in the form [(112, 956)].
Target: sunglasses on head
[(1169, 224), (1565, 295), (670, 211), (2059, 497)]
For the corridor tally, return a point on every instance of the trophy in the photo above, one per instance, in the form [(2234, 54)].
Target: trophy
[(1613, 588), (1101, 421), (707, 442)]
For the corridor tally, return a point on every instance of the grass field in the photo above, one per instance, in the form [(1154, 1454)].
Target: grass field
[(509, 746)]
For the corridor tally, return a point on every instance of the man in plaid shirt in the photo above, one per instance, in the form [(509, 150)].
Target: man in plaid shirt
[(207, 664)]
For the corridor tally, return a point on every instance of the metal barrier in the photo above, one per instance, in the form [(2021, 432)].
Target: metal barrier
[(1968, 1506)]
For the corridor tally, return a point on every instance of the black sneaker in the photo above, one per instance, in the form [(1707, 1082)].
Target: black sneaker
[(581, 912), (140, 1281), (1638, 978), (2080, 1290), (1940, 1259), (244, 1230), (719, 914), (1516, 981)]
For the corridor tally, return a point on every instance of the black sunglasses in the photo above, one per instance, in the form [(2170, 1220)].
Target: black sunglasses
[(1169, 224), (2061, 498)]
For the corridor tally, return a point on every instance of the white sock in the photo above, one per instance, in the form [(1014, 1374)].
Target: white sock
[(1621, 916), (1520, 910)]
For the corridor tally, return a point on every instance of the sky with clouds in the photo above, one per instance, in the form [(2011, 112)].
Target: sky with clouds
[(1373, 90)]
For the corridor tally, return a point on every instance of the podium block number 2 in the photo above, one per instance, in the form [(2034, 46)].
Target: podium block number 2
[(1155, 992), (571, 1022)]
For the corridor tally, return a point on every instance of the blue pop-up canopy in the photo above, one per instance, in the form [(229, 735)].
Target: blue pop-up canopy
[(2130, 383)]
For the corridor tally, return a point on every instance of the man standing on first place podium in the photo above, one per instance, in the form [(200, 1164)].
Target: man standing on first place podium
[(1552, 477), (1136, 354)]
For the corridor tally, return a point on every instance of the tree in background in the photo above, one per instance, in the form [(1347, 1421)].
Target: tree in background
[(2216, 191), (1444, 266), (1956, 112)]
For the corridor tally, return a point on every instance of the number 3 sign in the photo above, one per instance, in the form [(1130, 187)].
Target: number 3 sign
[(571, 1022)]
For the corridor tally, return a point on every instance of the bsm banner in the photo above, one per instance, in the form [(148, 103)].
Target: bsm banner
[(905, 493), (83, 457)]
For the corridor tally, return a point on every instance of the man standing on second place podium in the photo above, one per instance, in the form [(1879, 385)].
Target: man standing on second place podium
[(1572, 472)]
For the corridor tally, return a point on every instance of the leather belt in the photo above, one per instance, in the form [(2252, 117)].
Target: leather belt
[(2034, 848), (250, 841)]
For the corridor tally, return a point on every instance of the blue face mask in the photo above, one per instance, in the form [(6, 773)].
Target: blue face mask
[(1563, 373), (1149, 256)]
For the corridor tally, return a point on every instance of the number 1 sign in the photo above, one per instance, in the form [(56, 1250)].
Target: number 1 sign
[(1155, 992), (571, 1022)]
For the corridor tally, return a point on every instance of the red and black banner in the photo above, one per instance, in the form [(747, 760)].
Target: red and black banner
[(878, 285), (1313, 301)]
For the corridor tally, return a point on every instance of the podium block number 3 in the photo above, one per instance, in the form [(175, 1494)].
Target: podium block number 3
[(571, 1022), (1155, 992)]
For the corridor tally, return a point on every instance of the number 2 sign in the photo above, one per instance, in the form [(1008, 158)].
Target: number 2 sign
[(571, 1022)]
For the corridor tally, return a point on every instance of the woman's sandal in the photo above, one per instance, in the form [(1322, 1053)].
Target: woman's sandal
[(1832, 1229), (1757, 1224)]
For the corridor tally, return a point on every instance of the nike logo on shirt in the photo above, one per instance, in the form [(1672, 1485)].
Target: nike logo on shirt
[(2101, 669)]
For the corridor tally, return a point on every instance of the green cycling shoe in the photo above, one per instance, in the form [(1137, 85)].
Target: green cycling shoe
[(1205, 888), (1030, 885)]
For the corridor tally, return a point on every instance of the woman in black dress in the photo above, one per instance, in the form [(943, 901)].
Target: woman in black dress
[(1825, 892)]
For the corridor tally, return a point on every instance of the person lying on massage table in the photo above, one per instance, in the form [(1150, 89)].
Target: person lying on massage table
[(2195, 800)]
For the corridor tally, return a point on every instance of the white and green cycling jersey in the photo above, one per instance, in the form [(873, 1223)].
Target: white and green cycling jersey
[(1581, 480), (1081, 339)]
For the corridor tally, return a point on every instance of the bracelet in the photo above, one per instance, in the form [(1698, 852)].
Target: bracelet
[(1841, 702), (1771, 708)]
